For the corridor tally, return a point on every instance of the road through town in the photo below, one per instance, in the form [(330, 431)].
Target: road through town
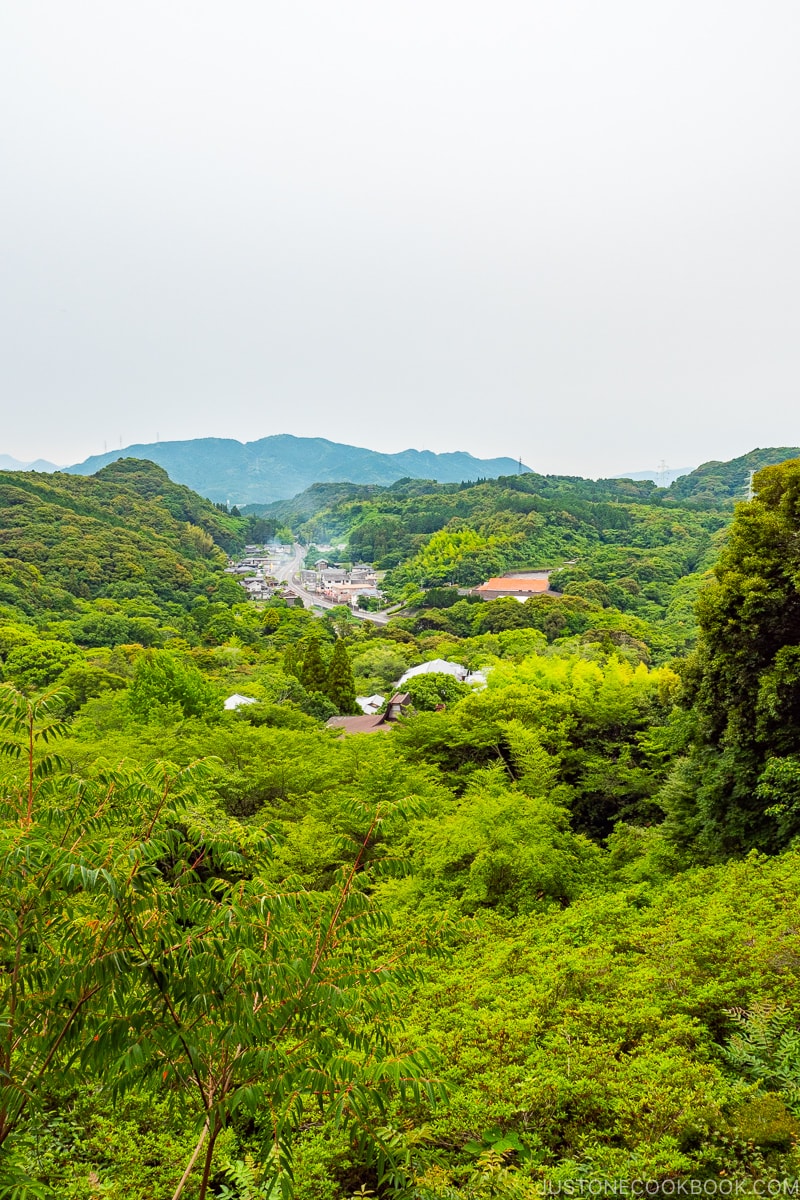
[(288, 572)]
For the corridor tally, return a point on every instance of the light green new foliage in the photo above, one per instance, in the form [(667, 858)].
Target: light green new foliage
[(498, 847), (536, 769), (595, 1032), (162, 678), (594, 720)]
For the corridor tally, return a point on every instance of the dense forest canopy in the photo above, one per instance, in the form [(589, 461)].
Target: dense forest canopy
[(540, 931)]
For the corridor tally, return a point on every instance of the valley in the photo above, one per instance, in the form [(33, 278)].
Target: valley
[(542, 929)]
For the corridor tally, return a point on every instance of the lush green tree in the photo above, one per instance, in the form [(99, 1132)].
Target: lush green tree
[(313, 672), (429, 691), (83, 680), (602, 719), (745, 680), (500, 847), (340, 687), (162, 678), (38, 663), (382, 662)]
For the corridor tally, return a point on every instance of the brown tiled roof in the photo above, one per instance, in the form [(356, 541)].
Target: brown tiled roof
[(366, 724), (513, 583)]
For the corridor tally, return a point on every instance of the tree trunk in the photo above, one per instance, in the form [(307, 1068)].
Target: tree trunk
[(212, 1138)]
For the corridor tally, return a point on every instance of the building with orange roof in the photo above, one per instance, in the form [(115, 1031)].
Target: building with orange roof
[(519, 586)]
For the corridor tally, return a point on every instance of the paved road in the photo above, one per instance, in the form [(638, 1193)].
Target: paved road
[(287, 569), (288, 572)]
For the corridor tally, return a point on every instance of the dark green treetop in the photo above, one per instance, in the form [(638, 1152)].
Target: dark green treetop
[(341, 688), (746, 676), (313, 673)]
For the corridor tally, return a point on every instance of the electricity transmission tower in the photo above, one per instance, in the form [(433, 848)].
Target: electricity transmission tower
[(749, 492)]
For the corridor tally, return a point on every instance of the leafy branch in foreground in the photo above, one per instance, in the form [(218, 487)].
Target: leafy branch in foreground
[(50, 948), (29, 724), (257, 1004), (138, 939), (64, 958)]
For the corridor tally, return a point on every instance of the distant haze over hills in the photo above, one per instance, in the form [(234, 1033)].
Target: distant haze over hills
[(662, 478), (278, 467), (7, 463), (281, 467)]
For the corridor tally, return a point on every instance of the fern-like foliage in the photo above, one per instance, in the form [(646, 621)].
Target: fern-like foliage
[(766, 1048)]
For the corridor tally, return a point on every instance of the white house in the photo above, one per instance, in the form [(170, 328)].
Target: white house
[(237, 701), (437, 666)]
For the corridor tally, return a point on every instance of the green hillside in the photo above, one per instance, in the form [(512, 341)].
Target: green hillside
[(714, 482), (128, 529), (125, 557)]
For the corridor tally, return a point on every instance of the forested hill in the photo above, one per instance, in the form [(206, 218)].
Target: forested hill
[(338, 504), (718, 482), (277, 467), (127, 532)]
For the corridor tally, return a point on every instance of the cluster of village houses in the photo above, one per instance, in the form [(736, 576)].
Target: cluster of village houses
[(339, 584), (342, 585), (346, 584), (256, 572)]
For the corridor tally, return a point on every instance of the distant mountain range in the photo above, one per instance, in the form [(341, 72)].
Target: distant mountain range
[(7, 463), (278, 467), (711, 484), (281, 467)]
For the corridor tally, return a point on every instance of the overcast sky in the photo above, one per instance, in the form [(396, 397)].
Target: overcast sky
[(561, 229)]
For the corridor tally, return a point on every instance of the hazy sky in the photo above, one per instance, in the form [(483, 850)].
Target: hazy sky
[(561, 229)]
